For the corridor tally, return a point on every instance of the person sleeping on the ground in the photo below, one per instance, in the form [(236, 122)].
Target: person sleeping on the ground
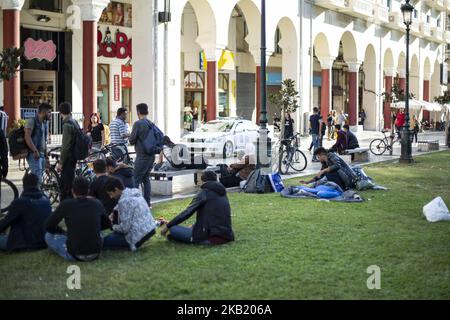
[(233, 175), (334, 169), (213, 220)]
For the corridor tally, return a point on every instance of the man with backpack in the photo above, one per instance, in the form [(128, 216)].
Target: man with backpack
[(3, 156), (36, 133), (3, 121), (75, 146), (148, 141)]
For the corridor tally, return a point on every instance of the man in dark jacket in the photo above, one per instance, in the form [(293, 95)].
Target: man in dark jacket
[(67, 162), (84, 218), (26, 218), (352, 140), (97, 187), (144, 162), (213, 221), (3, 156), (341, 142), (122, 172)]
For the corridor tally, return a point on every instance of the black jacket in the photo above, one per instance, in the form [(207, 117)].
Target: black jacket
[(3, 155), (26, 219), (84, 219), (213, 213), (97, 190), (352, 141), (126, 174)]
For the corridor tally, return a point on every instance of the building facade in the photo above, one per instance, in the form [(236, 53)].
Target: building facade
[(343, 55)]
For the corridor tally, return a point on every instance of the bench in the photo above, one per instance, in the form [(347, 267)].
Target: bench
[(427, 145), (162, 181), (359, 154)]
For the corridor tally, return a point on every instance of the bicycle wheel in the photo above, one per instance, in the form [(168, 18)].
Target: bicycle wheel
[(8, 194), (51, 185), (378, 147), (285, 161), (299, 161)]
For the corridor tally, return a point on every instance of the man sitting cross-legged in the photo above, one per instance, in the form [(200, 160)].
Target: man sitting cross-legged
[(97, 187), (26, 218), (135, 221), (334, 169), (213, 220), (84, 218)]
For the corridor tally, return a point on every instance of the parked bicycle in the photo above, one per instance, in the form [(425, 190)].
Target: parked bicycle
[(291, 156), (8, 193), (119, 152), (379, 146)]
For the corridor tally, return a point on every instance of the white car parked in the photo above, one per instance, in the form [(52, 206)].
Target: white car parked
[(223, 137)]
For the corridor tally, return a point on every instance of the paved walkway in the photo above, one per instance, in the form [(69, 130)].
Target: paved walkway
[(184, 186)]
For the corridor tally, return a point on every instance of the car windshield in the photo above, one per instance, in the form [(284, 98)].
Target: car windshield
[(216, 126)]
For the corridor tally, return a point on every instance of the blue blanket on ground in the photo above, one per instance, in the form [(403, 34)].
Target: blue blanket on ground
[(328, 191)]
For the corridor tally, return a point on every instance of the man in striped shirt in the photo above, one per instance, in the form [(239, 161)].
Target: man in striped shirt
[(119, 133)]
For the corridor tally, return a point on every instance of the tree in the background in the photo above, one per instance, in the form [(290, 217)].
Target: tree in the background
[(444, 101), (286, 99), (10, 63)]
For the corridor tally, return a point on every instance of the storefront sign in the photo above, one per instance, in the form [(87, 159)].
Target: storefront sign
[(40, 50), (121, 49), (127, 76), (116, 87)]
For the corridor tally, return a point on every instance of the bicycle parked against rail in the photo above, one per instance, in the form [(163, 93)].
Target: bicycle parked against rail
[(379, 146), (291, 156)]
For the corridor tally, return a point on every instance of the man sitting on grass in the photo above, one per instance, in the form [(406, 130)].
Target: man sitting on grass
[(121, 171), (135, 221), (97, 187), (213, 221), (334, 169), (26, 218), (84, 218)]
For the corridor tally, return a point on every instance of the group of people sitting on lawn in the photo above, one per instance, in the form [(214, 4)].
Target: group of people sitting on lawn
[(110, 203)]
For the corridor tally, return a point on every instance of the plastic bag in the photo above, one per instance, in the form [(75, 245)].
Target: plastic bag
[(436, 211), (276, 182)]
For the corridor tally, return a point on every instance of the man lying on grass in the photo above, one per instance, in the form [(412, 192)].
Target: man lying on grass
[(213, 223), (334, 169)]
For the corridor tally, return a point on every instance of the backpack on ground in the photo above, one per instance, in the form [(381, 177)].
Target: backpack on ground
[(18, 148), (257, 182), (154, 141), (82, 143), (107, 134)]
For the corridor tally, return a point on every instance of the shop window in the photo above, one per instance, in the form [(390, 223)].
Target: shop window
[(47, 5), (103, 92), (277, 41), (224, 93)]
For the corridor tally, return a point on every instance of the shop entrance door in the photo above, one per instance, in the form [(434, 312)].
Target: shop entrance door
[(103, 92)]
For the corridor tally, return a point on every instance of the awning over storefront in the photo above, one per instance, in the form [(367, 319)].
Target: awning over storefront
[(415, 104)]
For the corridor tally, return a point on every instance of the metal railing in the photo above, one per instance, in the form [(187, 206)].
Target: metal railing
[(55, 124)]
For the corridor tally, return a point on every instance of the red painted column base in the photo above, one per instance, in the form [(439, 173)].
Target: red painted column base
[(211, 87), (325, 93)]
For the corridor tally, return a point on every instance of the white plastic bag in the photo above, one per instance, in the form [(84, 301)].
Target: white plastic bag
[(436, 211)]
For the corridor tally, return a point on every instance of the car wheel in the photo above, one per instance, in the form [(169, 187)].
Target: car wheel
[(228, 150)]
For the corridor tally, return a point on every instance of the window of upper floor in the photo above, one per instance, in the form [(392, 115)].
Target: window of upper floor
[(47, 5)]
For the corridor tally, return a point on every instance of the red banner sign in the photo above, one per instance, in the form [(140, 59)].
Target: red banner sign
[(127, 76), (40, 50), (116, 87)]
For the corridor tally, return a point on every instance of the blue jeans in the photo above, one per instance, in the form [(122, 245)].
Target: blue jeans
[(57, 243), (37, 167), (117, 241), (3, 242), (183, 235), (142, 169), (315, 142)]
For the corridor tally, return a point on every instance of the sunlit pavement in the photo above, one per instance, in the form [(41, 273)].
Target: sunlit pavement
[(184, 186)]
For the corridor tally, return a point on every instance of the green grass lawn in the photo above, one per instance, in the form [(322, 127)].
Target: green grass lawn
[(285, 249)]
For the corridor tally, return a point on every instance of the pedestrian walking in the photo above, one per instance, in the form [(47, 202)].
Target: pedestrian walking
[(314, 124), (362, 117), (414, 127), (119, 132), (97, 132)]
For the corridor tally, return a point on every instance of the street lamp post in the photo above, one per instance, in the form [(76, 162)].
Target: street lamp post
[(264, 146), (406, 153)]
